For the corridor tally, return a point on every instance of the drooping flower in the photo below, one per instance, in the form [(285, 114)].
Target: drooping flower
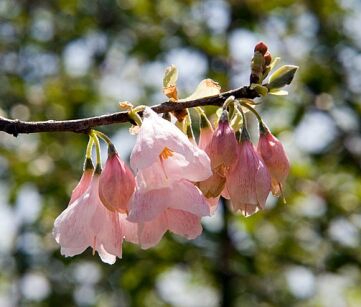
[(177, 208), (167, 164), (222, 147), (116, 183), (248, 182), (158, 140), (86, 222), (274, 156)]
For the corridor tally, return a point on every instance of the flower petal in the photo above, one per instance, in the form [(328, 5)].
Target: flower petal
[(150, 233), (184, 223), (187, 197), (146, 206)]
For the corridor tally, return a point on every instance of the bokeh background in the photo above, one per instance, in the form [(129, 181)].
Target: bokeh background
[(75, 58)]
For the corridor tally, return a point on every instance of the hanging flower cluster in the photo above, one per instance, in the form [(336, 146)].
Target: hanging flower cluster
[(176, 181)]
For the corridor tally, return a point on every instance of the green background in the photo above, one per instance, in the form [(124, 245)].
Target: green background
[(71, 59)]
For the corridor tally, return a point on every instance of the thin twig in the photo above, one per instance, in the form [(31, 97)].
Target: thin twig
[(15, 126)]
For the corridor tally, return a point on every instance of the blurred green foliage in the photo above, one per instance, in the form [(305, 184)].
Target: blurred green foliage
[(74, 58)]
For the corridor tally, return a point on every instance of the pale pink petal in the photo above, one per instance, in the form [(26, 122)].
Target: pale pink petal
[(154, 135), (248, 181), (150, 233), (263, 184), (177, 167), (86, 222), (145, 206), (184, 223), (116, 184), (130, 230), (104, 255), (164, 173), (274, 156), (187, 197), (205, 136), (71, 227), (82, 185)]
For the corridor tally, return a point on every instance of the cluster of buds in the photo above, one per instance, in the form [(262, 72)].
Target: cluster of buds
[(260, 65)]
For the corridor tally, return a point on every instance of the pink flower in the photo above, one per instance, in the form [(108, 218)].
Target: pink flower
[(158, 139), (222, 149), (116, 183), (177, 208), (83, 182), (248, 182), (165, 198), (274, 156), (87, 223)]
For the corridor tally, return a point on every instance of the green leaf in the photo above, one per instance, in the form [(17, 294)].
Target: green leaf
[(170, 76), (282, 76), (205, 88), (277, 92)]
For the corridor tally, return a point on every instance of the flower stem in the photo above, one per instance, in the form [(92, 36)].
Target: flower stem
[(89, 147), (246, 105), (103, 136), (98, 168)]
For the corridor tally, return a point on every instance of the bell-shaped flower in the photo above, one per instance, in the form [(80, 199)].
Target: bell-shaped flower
[(222, 148), (161, 142), (248, 181), (116, 183), (167, 164), (177, 208), (84, 181), (88, 223), (274, 156)]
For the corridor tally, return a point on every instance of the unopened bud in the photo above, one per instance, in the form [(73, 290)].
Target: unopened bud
[(261, 47)]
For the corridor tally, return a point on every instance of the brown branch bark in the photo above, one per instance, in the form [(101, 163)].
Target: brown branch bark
[(15, 126)]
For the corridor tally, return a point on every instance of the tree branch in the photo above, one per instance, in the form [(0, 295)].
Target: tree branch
[(15, 126)]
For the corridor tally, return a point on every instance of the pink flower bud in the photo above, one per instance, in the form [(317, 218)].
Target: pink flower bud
[(274, 156), (222, 148), (116, 184), (248, 181)]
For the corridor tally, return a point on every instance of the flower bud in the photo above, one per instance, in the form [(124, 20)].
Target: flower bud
[(274, 156), (222, 148), (261, 47), (116, 183)]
